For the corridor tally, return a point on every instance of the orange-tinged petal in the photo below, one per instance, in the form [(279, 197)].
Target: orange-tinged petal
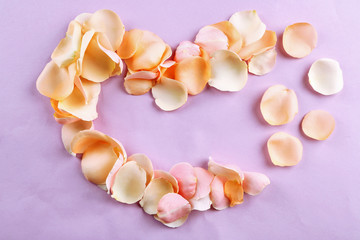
[(55, 82), (169, 94), (234, 37), (279, 105), (234, 192), (318, 124), (172, 207), (211, 39), (130, 43), (228, 71), (217, 194), (267, 41), (263, 63), (167, 176), (299, 39), (145, 163), (105, 46), (140, 82), (284, 149), (185, 175), (227, 172), (194, 72), (186, 49), (255, 182), (68, 132), (61, 116)]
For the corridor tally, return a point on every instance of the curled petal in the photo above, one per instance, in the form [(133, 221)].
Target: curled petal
[(194, 72), (249, 25), (228, 71), (234, 192), (299, 39), (201, 204), (267, 41), (211, 39), (61, 116), (174, 224), (186, 177), (105, 46), (318, 124), (68, 132), (83, 17), (217, 194), (111, 176), (284, 149), (263, 63), (145, 163), (186, 49), (167, 176), (279, 105), (130, 43), (172, 207), (234, 37), (204, 179), (129, 183), (227, 172), (55, 82), (255, 182), (169, 94), (325, 76), (140, 82)]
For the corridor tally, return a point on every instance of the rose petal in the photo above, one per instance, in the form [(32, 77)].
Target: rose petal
[(204, 179), (185, 175), (186, 49), (174, 224), (234, 38), (111, 176), (140, 82), (153, 193), (61, 116), (325, 76), (234, 192), (68, 132), (263, 63), (169, 94), (217, 194), (83, 17), (145, 163), (249, 25), (167, 176), (55, 82), (194, 72), (266, 42), (284, 149), (129, 183), (130, 43), (299, 39), (201, 204), (211, 39), (172, 207), (229, 173), (105, 46), (318, 124), (228, 72), (279, 105), (255, 182)]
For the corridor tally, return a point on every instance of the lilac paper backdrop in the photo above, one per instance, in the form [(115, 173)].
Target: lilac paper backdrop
[(44, 195)]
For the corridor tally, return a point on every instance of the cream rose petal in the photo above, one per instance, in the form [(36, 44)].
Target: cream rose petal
[(68, 132), (284, 149), (167, 176), (201, 200), (227, 172), (318, 124), (263, 63), (172, 207), (105, 46), (186, 177), (83, 17), (140, 82), (169, 94), (217, 195), (186, 49), (255, 182), (201, 204), (326, 77), (145, 163), (279, 105), (228, 71), (211, 39)]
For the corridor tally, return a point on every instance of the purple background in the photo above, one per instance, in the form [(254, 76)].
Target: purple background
[(45, 196)]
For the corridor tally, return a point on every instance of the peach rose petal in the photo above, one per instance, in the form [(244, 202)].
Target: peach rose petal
[(266, 42), (169, 94), (234, 192), (61, 116), (299, 39), (105, 46), (109, 182), (83, 17), (318, 124), (217, 195), (279, 105), (234, 37), (228, 71), (255, 182), (145, 163), (326, 77), (157, 188), (186, 177), (284, 149), (129, 183), (263, 63), (140, 82), (68, 132), (249, 25), (55, 82), (109, 23), (167, 176), (186, 49), (130, 43), (227, 172), (172, 207), (211, 39)]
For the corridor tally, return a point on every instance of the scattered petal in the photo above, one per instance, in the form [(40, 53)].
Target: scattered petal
[(167, 176), (279, 105), (140, 82), (299, 39), (211, 39), (255, 182), (172, 207), (263, 63), (234, 192), (186, 49), (217, 194), (318, 124), (185, 175), (284, 149), (228, 72), (145, 163), (204, 179), (68, 132), (266, 42), (325, 76), (201, 204), (227, 172), (234, 37)]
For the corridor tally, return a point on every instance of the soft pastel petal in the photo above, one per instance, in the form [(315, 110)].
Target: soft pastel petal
[(279, 105), (140, 82), (227, 172), (201, 204), (186, 177), (284, 149), (211, 39), (55, 82), (61, 116), (217, 194), (255, 182), (130, 43), (318, 124), (111, 176), (204, 179), (145, 163), (267, 41), (68, 132), (186, 49), (105, 46), (234, 37), (228, 71), (326, 77), (169, 94), (249, 25), (234, 192), (299, 39), (129, 183), (174, 224), (83, 17), (172, 207), (167, 176), (263, 63)]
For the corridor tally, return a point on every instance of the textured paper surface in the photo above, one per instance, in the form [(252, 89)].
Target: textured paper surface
[(44, 195)]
